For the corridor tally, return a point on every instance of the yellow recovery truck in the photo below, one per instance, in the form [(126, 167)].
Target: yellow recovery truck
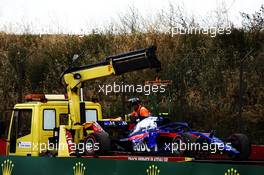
[(50, 124)]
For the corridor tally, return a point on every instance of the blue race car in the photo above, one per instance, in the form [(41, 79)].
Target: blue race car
[(159, 136)]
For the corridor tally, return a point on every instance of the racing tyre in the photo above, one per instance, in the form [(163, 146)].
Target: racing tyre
[(97, 143), (200, 153), (176, 146), (186, 139), (242, 144)]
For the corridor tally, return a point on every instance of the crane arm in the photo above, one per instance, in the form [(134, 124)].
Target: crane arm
[(112, 65)]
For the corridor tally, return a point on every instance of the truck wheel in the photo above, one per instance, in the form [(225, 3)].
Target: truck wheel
[(242, 144), (48, 154), (97, 143)]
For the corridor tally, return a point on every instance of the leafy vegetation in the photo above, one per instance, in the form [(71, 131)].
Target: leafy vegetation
[(205, 71)]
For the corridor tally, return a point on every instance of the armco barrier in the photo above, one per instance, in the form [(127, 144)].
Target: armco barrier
[(89, 166)]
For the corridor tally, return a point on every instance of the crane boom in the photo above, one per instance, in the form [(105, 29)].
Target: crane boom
[(112, 65)]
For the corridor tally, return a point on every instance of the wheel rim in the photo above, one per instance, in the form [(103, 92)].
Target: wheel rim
[(177, 141), (90, 141)]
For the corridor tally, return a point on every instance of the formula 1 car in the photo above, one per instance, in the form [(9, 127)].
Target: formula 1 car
[(159, 136)]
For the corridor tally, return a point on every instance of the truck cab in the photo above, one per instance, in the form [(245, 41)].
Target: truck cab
[(32, 123)]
